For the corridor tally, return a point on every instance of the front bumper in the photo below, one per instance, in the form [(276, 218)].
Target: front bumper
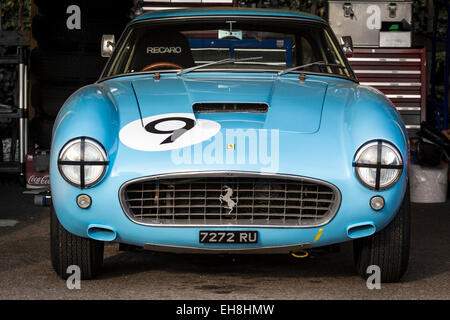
[(106, 220)]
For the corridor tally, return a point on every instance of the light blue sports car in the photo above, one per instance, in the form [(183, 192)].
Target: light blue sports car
[(229, 131)]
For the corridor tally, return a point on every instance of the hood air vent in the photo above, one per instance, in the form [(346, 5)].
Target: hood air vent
[(230, 107)]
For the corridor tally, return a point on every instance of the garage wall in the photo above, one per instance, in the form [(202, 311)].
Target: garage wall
[(65, 53)]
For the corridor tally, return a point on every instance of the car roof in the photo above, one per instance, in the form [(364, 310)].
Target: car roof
[(225, 12)]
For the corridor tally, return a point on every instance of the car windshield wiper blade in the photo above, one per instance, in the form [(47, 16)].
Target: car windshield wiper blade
[(317, 63), (228, 60)]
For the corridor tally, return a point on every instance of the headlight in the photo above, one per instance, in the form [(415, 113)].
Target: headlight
[(378, 165), (82, 162)]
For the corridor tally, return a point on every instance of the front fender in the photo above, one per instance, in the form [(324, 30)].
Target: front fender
[(89, 112)]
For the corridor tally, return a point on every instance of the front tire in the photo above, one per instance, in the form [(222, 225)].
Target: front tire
[(388, 248), (68, 249)]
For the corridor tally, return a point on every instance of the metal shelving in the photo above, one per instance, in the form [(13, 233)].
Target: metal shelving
[(13, 52)]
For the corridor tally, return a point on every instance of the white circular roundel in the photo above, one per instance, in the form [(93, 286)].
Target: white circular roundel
[(167, 132)]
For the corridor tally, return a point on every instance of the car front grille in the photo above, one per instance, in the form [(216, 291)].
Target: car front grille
[(237, 200)]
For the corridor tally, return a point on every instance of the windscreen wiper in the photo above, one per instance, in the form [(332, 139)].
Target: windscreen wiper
[(228, 60), (317, 63)]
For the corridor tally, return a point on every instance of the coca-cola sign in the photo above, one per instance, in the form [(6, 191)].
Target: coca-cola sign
[(39, 180)]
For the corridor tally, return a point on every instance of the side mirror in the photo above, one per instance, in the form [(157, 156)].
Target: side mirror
[(108, 45), (347, 46)]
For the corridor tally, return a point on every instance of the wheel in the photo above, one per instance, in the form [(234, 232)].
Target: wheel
[(388, 248), (66, 66), (68, 249)]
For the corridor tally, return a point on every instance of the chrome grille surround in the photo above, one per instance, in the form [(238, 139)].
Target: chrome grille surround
[(295, 202)]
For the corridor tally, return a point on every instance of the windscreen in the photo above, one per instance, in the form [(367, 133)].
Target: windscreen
[(256, 44)]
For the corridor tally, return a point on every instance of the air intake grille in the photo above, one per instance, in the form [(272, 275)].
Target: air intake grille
[(235, 201), (230, 107)]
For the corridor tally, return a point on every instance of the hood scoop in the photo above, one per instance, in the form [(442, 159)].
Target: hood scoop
[(251, 102), (228, 107)]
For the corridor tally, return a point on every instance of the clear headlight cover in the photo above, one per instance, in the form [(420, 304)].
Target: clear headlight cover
[(378, 165), (82, 162)]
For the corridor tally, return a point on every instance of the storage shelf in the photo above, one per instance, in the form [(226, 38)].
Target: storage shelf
[(15, 54)]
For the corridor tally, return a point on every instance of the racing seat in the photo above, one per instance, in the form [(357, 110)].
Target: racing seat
[(163, 46)]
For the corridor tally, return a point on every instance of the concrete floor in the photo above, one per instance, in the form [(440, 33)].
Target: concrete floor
[(26, 272)]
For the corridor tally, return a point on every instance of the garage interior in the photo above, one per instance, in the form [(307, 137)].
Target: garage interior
[(50, 49)]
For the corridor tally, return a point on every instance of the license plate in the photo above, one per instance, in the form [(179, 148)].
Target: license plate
[(228, 236)]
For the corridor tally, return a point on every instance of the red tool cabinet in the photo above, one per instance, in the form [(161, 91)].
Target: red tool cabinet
[(400, 74)]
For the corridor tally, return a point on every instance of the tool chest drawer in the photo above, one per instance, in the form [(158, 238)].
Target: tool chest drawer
[(399, 74)]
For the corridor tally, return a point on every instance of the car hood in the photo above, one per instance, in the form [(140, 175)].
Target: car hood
[(293, 105), (318, 124)]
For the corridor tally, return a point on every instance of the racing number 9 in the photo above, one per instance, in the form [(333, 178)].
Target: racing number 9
[(176, 133)]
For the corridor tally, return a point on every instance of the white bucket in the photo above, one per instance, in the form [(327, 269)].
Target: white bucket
[(428, 184)]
